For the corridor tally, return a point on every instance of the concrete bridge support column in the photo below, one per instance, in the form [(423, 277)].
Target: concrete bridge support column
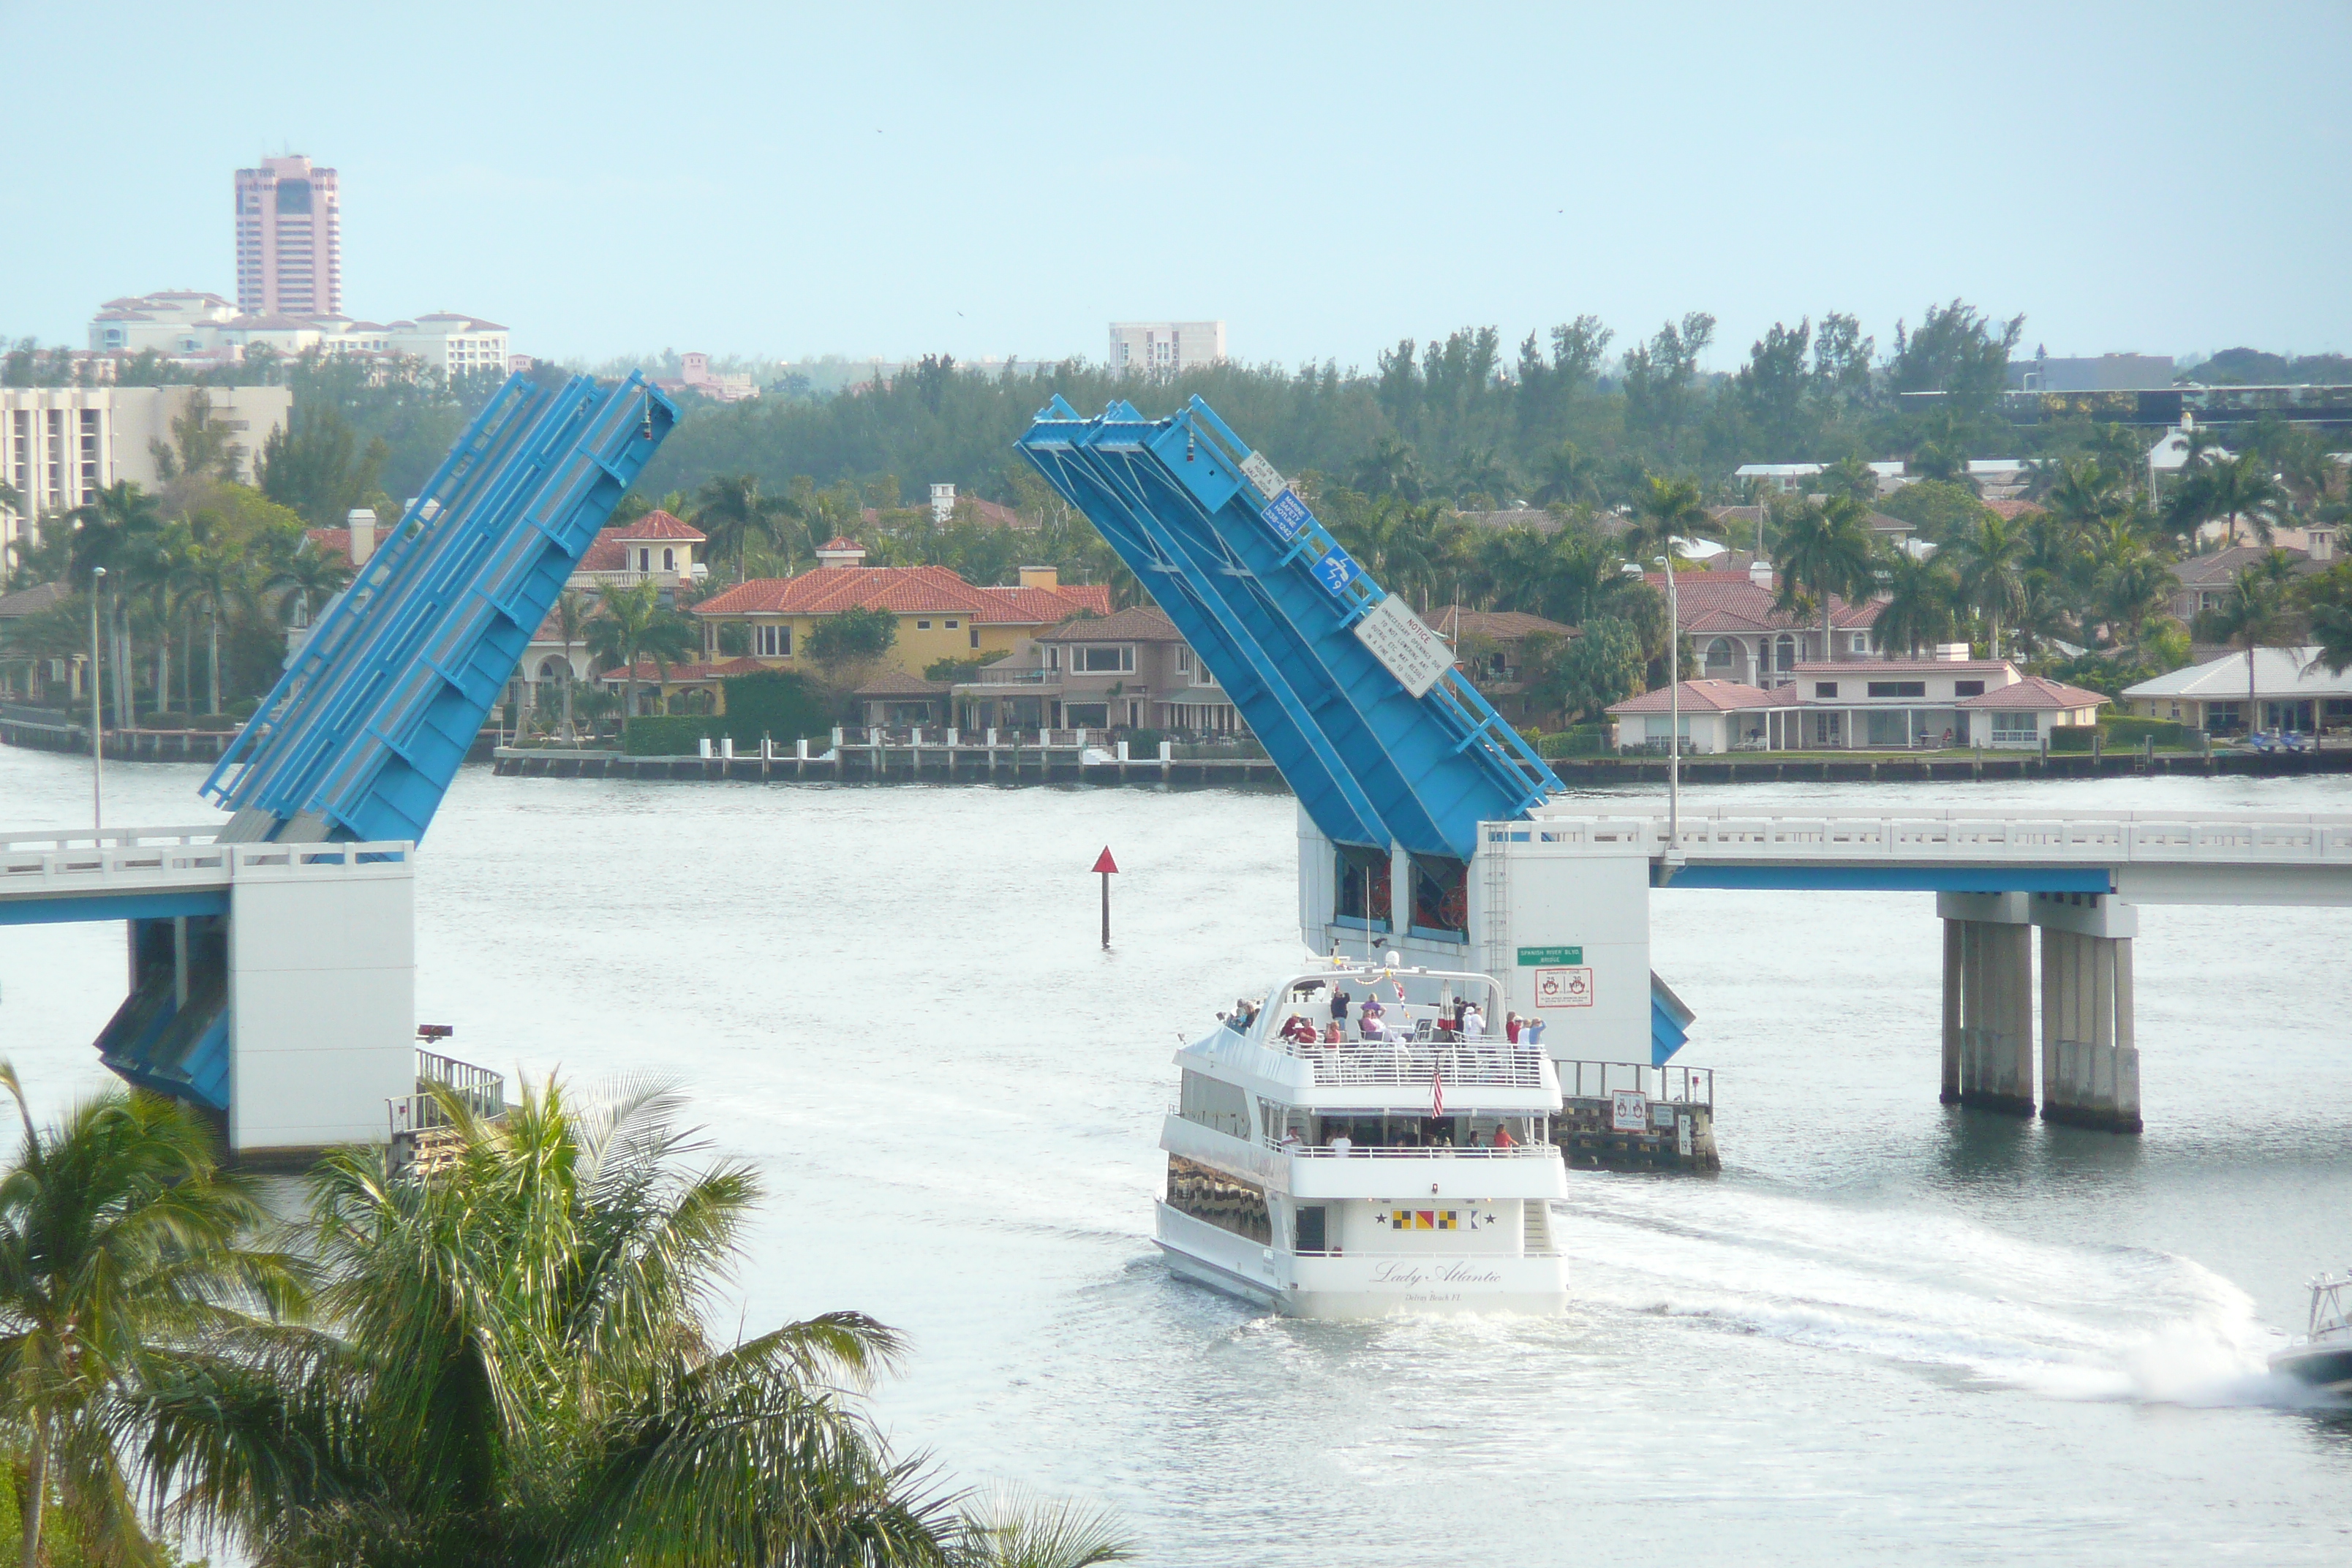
[(2090, 1064), (1987, 1001)]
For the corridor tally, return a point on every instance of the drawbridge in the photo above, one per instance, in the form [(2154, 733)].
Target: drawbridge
[(1357, 701), (273, 968)]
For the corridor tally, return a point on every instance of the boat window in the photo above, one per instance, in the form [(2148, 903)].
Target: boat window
[(1212, 1103), (1312, 1234), (1440, 895), (1226, 1202)]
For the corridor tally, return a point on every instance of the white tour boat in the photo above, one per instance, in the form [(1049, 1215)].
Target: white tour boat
[(2323, 1358), (1350, 1177)]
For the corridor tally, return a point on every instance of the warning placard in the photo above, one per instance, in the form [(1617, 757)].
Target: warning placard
[(1564, 988)]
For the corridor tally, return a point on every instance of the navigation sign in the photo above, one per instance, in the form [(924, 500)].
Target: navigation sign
[(1629, 1112), (1531, 957), (1569, 987), (1287, 515), (1262, 474), (1402, 641), (1336, 570)]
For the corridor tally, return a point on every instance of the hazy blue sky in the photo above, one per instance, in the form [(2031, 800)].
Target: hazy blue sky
[(889, 180)]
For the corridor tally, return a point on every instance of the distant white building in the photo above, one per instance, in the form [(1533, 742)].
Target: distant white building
[(202, 330), (59, 445), (2286, 688), (1166, 348), (1788, 479)]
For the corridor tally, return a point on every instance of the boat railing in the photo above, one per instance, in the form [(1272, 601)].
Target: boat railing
[(1414, 1151), (1600, 1081), (1488, 1064), (2331, 1305)]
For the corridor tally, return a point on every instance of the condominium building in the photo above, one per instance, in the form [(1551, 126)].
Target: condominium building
[(289, 239), (59, 445), (1166, 348), (199, 328)]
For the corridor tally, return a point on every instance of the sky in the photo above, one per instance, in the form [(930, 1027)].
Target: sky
[(886, 181)]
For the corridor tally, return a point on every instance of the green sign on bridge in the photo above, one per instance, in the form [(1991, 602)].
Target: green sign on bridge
[(1549, 957)]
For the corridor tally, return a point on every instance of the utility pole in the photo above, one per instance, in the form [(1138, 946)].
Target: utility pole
[(97, 729)]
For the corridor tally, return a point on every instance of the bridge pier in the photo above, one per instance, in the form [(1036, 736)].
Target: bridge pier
[(1987, 1003), (2090, 1064)]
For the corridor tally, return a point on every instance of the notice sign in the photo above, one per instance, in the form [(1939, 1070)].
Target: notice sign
[(1403, 642), (1629, 1112), (1537, 957), (1571, 987), (1262, 474)]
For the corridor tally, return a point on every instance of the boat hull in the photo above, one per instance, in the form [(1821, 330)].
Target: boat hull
[(2326, 1367), (1354, 1287)]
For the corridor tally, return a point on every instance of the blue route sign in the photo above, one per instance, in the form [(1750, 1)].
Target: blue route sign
[(1336, 570), (1287, 515)]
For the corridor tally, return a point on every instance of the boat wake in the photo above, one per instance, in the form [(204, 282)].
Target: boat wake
[(1926, 1289)]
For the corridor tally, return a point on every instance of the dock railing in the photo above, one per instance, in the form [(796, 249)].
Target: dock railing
[(1668, 1084), (477, 1089)]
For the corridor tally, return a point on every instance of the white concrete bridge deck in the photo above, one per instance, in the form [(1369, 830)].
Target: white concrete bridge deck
[(2144, 857), (125, 873)]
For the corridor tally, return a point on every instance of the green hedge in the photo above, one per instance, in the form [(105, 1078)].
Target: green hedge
[(776, 704), (2123, 732), (1581, 741), (679, 736)]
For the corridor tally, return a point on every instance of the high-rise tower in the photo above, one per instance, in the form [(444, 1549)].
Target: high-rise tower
[(289, 240)]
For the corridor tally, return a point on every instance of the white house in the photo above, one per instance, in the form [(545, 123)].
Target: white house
[(2288, 687)]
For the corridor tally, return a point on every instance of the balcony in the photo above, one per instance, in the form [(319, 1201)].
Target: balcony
[(997, 675)]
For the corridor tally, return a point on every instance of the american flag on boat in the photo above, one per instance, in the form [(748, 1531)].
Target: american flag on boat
[(1436, 1092)]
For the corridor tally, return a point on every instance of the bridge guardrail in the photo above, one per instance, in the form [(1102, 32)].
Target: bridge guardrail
[(47, 864), (2109, 838)]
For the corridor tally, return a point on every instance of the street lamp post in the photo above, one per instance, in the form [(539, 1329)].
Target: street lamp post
[(1674, 703), (97, 730)]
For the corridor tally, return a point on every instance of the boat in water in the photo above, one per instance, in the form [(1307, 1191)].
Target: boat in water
[(2323, 1357), (1363, 1142)]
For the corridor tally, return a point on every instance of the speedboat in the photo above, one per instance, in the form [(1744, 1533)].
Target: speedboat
[(1356, 1144), (2323, 1357)]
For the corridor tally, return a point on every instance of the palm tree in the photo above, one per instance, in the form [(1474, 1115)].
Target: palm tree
[(119, 1251), (1565, 477), (729, 509), (1826, 553), (118, 530), (1391, 469), (2132, 585), (2238, 487), (632, 624), (2254, 614), (1918, 610), (513, 1365), (1991, 557), (1664, 510), (220, 579), (571, 612), (312, 575)]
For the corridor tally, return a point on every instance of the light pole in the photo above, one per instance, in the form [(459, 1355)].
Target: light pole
[(96, 730), (1674, 702)]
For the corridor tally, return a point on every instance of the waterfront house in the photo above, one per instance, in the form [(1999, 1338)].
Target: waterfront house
[(1740, 635), (1717, 716), (667, 549), (1949, 701), (2290, 690), (896, 701), (1494, 648), (2204, 581), (1132, 671), (28, 671), (939, 616), (681, 686)]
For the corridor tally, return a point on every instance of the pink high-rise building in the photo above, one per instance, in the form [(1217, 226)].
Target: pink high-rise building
[(289, 240)]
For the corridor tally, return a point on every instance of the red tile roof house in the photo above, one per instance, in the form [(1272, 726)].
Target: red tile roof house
[(1717, 716), (1491, 648), (1738, 636), (939, 616), (657, 546)]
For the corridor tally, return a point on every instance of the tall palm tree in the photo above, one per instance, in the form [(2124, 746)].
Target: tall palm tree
[(1989, 557), (1918, 610), (633, 625), (729, 509), (1565, 477), (1664, 510), (118, 530), (2254, 614), (1826, 553), (571, 612), (514, 1365), (119, 1249), (312, 577), (2239, 488), (221, 580)]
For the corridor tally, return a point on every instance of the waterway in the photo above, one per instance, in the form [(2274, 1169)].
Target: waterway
[(1888, 1327)]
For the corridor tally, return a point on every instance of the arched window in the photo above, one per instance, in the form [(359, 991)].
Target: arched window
[(644, 559), (669, 558), (1718, 659), (1784, 652), (551, 669)]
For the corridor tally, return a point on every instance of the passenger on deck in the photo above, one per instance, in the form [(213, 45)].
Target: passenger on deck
[(1334, 1036), (1372, 1022), (1511, 1027), (1298, 1030), (1503, 1139), (1340, 1144), (1339, 1000), (1474, 1021)]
